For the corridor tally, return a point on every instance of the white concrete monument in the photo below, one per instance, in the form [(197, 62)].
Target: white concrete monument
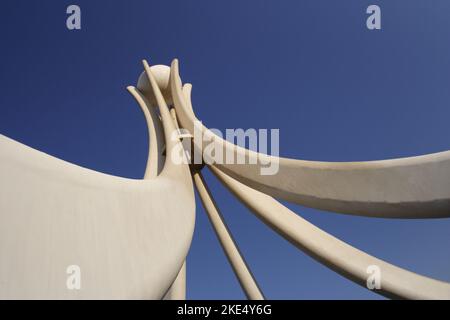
[(129, 238)]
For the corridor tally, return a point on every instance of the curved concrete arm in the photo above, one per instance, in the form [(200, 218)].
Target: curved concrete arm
[(156, 148), (415, 187), (128, 237), (332, 252)]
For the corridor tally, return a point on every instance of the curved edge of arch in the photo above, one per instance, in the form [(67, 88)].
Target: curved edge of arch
[(331, 251)]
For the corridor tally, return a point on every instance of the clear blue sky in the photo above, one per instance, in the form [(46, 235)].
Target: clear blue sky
[(336, 91)]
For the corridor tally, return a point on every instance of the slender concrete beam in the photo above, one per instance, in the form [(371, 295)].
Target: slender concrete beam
[(178, 288), (332, 252), (240, 267), (415, 187), (156, 148)]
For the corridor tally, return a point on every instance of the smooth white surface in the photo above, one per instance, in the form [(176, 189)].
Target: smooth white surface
[(161, 74), (129, 237)]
